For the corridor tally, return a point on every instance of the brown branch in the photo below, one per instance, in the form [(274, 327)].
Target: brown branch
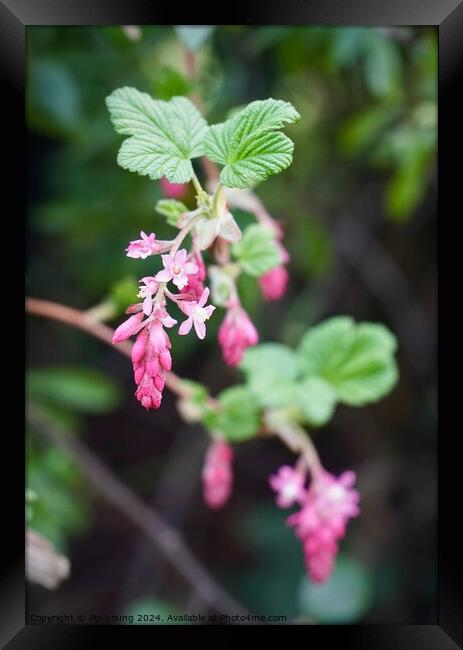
[(79, 319), (161, 534)]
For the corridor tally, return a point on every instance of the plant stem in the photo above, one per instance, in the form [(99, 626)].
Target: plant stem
[(216, 197), (78, 319), (103, 311), (183, 233), (298, 441), (197, 184)]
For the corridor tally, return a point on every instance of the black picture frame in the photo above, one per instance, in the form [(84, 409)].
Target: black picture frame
[(447, 15)]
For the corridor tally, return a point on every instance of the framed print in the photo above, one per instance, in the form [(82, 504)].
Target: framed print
[(231, 321)]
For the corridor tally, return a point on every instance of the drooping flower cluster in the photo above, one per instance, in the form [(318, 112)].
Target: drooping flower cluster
[(217, 474), (210, 224), (326, 507), (151, 359), (236, 333), (151, 356)]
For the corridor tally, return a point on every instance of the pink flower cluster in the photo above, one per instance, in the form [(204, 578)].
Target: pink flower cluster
[(217, 474), (151, 358), (326, 507), (151, 351), (236, 333)]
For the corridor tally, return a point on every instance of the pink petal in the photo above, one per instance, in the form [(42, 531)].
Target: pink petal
[(148, 305), (180, 257), (180, 281), (185, 327), (167, 260), (134, 309), (164, 275), (200, 328), (168, 321), (191, 268), (204, 296)]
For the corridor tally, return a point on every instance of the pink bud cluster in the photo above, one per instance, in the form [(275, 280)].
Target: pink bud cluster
[(217, 474), (236, 334), (151, 359), (326, 507)]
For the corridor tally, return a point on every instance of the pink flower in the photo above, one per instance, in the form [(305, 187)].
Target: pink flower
[(195, 284), (289, 485), (129, 327), (144, 247), (173, 190), (236, 333), (321, 522), (177, 269), (273, 284), (151, 359), (147, 292), (197, 314), (217, 474)]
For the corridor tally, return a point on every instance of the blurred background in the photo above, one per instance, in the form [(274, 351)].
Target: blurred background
[(359, 208)]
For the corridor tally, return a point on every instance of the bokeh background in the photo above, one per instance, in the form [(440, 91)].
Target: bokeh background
[(359, 208)]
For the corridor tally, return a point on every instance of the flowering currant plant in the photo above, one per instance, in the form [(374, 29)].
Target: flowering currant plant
[(285, 391)]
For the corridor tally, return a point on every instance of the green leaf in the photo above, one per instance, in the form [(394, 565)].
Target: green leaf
[(257, 252), (270, 358), (324, 346), (164, 135), (238, 418), (271, 370), (193, 36), (79, 388), (345, 598), (316, 399), (273, 392), (171, 209), (249, 144), (356, 360)]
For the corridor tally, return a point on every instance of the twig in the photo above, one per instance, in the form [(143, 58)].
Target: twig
[(163, 536), (79, 319)]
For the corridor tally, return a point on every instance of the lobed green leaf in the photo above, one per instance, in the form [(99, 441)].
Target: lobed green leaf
[(249, 145), (164, 135)]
